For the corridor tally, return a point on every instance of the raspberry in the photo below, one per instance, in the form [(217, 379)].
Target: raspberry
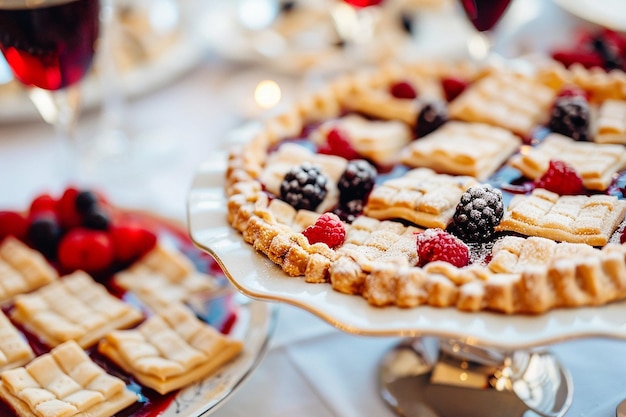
[(304, 187), (338, 143), (403, 90), (453, 87), (437, 245), (571, 117), (561, 178), (131, 241), (327, 229), (432, 116), (586, 59), (357, 181), (573, 91), (363, 3), (14, 224), (478, 213), (88, 250)]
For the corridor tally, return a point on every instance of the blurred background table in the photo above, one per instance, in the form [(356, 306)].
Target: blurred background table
[(311, 368)]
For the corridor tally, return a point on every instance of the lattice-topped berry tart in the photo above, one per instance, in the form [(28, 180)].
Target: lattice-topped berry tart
[(447, 184)]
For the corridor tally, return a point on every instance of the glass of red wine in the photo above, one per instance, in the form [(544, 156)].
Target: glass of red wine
[(484, 15), (50, 46)]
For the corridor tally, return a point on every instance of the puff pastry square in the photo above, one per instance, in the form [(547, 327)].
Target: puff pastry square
[(14, 349), (22, 269), (510, 100), (64, 383), (458, 148), (170, 350), (163, 276), (420, 196), (595, 163), (74, 307), (575, 219)]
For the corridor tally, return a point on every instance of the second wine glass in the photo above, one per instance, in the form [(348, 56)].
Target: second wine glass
[(484, 15)]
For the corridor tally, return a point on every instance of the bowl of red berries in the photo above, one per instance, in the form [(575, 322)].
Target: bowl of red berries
[(79, 229)]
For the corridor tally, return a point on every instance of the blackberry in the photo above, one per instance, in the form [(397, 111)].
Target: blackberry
[(304, 187), (609, 52), (432, 116), (357, 181), (571, 117), (349, 211), (478, 213)]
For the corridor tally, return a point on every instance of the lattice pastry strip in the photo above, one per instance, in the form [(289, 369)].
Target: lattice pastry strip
[(420, 196), (509, 100), (595, 163), (22, 269), (14, 349), (458, 148), (577, 219), (74, 307), (63, 383), (370, 242), (610, 122), (170, 350), (162, 276)]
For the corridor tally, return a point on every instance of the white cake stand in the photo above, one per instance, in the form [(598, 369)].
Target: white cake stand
[(491, 364)]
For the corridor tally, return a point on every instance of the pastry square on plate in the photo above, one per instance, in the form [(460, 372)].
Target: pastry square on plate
[(64, 383), (75, 307), (420, 196), (458, 148), (162, 276), (510, 100), (611, 122), (22, 269), (595, 163), (170, 350), (577, 219), (14, 349)]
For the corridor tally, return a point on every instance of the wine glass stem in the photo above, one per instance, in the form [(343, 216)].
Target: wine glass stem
[(60, 108), (479, 46)]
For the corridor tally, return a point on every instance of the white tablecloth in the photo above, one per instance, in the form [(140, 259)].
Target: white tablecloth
[(311, 369)]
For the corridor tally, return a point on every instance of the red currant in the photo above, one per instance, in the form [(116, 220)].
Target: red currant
[(131, 241), (89, 250)]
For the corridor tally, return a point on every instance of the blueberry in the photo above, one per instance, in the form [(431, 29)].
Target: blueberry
[(44, 234), (96, 219), (86, 201)]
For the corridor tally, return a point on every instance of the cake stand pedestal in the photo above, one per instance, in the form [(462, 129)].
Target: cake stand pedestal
[(430, 377)]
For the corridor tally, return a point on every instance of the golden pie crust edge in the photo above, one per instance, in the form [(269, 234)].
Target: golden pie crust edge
[(597, 280)]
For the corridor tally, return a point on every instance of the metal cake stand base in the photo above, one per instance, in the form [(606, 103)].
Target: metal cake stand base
[(428, 377)]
